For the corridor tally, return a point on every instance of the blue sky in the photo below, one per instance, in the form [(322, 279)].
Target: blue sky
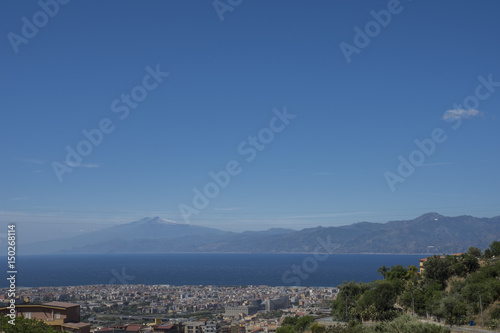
[(327, 166)]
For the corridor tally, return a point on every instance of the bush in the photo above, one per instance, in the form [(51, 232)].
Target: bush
[(25, 325), (407, 324)]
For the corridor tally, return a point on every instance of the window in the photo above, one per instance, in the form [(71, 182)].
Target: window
[(27, 315), (58, 315)]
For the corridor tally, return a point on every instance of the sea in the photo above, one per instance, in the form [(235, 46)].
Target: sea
[(227, 269)]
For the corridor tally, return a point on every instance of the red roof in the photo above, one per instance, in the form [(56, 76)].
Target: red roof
[(134, 328)]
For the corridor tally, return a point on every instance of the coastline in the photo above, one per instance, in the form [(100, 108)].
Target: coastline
[(242, 253)]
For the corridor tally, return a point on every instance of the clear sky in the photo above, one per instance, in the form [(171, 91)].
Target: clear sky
[(309, 104)]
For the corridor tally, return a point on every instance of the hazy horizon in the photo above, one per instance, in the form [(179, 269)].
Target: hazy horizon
[(74, 229)]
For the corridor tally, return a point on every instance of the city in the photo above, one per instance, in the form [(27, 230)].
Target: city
[(254, 308)]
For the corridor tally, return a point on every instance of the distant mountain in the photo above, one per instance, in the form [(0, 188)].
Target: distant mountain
[(155, 228), (427, 234)]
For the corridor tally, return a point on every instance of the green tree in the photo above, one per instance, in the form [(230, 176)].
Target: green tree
[(385, 297), (414, 298), (437, 269), (495, 248), (398, 285), (286, 329), (317, 328), (344, 307), (23, 325), (475, 252), (295, 324), (378, 302), (458, 269), (383, 271), (452, 309), (411, 272), (397, 272), (290, 321), (303, 323), (470, 262)]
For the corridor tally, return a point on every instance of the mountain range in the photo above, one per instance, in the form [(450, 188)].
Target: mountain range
[(430, 233)]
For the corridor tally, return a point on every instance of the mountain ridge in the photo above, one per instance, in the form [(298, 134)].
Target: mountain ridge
[(430, 233)]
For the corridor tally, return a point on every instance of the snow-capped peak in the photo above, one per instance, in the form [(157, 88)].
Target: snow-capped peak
[(155, 220)]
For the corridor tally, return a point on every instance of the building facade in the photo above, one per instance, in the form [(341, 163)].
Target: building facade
[(60, 315), (234, 311), (194, 327)]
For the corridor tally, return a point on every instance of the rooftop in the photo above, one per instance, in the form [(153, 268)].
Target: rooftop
[(61, 304)]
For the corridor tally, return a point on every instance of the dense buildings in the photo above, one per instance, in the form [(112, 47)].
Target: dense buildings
[(212, 326), (172, 309), (240, 310), (277, 303)]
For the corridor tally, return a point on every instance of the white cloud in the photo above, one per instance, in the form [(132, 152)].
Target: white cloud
[(461, 113)]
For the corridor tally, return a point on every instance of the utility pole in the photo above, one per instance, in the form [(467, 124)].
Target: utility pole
[(413, 304), (346, 306), (481, 305)]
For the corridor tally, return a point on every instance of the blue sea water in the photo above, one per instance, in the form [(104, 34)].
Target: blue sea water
[(202, 269)]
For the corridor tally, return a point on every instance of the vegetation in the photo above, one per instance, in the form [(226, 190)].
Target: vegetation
[(23, 325), (493, 251), (451, 288), (296, 324), (402, 324)]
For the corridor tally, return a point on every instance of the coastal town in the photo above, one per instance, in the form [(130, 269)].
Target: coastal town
[(174, 309)]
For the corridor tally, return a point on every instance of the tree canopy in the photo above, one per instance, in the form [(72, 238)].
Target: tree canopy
[(23, 325), (452, 288)]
